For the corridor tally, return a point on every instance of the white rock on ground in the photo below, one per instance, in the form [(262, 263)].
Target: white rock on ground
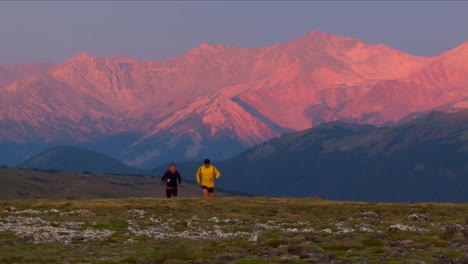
[(214, 219), (136, 213), (345, 230), (9, 209), (80, 212), (38, 231), (155, 220), (29, 211), (254, 236), (419, 218), (405, 228), (368, 215)]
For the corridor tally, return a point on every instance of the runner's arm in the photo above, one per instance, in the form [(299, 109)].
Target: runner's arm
[(217, 174), (164, 177), (197, 176)]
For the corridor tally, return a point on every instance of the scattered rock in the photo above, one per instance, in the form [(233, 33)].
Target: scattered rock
[(233, 221), (327, 231), (33, 221), (264, 226), (38, 231), (290, 258), (131, 223), (405, 228), (29, 211), (92, 234), (339, 224), (254, 237), (419, 218), (368, 215), (38, 235), (164, 232), (136, 213), (9, 209), (54, 211), (406, 243), (345, 230), (214, 219), (195, 217), (130, 241), (80, 212), (291, 230), (155, 220), (365, 228)]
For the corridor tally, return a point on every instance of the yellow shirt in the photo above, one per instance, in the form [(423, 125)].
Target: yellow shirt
[(208, 175)]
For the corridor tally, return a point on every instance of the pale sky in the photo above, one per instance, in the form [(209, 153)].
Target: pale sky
[(54, 30)]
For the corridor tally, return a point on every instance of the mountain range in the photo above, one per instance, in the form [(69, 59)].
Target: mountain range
[(420, 160), (216, 101)]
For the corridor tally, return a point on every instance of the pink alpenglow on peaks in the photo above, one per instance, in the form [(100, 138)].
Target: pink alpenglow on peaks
[(216, 93)]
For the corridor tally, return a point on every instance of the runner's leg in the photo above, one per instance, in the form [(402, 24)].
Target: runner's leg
[(205, 192)]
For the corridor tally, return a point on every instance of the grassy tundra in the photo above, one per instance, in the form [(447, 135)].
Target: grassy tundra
[(231, 230)]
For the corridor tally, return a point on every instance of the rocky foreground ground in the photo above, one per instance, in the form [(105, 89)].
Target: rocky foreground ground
[(231, 230)]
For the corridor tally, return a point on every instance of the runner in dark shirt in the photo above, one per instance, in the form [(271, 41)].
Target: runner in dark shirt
[(172, 179)]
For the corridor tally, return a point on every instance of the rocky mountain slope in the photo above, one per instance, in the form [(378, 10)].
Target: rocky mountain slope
[(215, 95), (13, 72)]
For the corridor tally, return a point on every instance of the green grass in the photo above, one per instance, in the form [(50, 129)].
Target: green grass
[(274, 245)]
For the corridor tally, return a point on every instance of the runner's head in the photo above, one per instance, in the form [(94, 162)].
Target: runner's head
[(172, 167), (207, 162)]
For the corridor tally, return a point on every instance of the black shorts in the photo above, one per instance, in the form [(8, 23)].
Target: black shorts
[(171, 192), (210, 190)]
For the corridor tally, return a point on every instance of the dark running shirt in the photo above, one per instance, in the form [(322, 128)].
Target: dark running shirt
[(171, 179)]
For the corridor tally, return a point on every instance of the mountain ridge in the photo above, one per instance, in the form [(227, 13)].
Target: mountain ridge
[(421, 160), (294, 85)]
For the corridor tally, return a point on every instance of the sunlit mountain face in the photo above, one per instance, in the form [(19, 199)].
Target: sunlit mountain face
[(217, 100)]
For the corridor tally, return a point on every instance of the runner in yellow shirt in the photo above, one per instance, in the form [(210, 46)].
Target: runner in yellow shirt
[(208, 174)]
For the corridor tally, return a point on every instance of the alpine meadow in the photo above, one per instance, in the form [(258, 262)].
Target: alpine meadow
[(238, 132)]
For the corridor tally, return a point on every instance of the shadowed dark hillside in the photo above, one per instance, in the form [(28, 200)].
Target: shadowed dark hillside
[(36, 184), (68, 158), (422, 160)]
